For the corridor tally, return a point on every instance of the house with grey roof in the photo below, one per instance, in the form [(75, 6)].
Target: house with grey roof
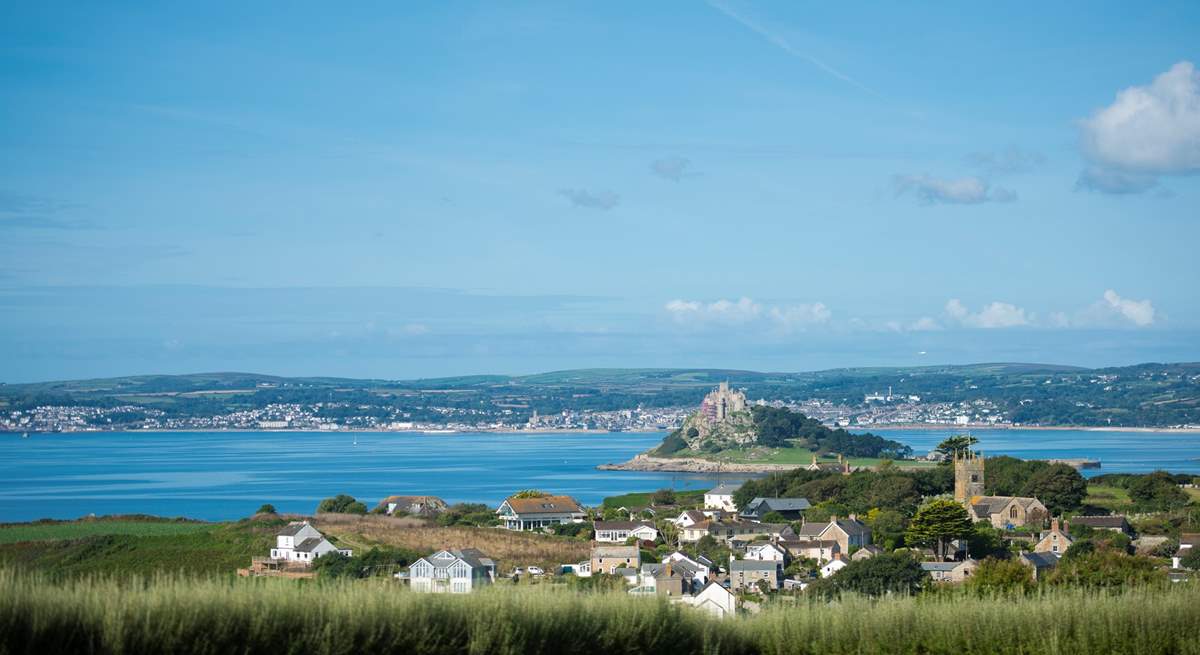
[(1115, 523), (791, 509), (847, 532), (1041, 563), (617, 532), (950, 572), (1007, 512), (457, 571), (300, 543), (721, 497), (746, 574)]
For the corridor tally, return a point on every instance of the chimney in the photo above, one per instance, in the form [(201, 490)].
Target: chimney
[(853, 517)]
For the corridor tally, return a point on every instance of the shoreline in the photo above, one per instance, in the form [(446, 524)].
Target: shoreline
[(533, 431), (648, 463)]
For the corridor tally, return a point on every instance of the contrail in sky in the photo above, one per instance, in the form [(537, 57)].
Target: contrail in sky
[(786, 46)]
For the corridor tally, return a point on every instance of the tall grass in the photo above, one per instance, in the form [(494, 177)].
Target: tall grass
[(275, 616)]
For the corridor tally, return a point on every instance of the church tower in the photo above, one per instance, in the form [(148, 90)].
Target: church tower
[(968, 475)]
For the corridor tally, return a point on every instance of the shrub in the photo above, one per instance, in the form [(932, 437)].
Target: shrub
[(266, 509), (1000, 575), (341, 504)]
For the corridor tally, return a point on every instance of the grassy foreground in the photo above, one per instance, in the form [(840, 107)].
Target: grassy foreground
[(274, 616)]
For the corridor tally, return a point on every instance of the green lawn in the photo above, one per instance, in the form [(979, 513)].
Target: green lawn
[(1111, 498), (59, 530), (694, 497)]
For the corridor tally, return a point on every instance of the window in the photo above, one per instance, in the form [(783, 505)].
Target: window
[(1012, 512), (974, 477)]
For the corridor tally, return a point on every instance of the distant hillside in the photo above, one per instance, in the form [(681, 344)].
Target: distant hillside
[(1141, 395)]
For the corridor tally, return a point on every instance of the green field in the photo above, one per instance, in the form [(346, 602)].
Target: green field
[(1109, 497), (59, 530), (683, 498), (792, 456), (184, 616)]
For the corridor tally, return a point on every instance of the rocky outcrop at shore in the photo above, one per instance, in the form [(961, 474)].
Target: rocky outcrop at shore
[(692, 465)]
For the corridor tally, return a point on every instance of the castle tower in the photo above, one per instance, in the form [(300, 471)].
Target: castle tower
[(968, 475)]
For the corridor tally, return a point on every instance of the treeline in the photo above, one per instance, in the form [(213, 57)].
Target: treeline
[(780, 427)]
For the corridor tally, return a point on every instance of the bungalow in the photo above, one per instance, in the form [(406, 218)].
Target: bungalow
[(1055, 540), (820, 550), (1116, 523), (452, 571), (950, 572), (714, 599), (721, 497), (539, 512), (300, 543), (619, 531), (745, 574), (416, 505), (607, 559), (726, 531), (766, 552), (1007, 512), (790, 508), (1041, 563)]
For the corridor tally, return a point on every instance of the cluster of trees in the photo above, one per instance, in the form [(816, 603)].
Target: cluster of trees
[(374, 562), (780, 427), (468, 514), (1151, 492), (341, 504)]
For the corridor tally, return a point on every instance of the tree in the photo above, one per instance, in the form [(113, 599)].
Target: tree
[(883, 574), (938, 522), (266, 509), (1105, 569), (986, 541), (341, 504), (774, 517), (1191, 560), (887, 527), (1156, 491), (664, 497), (1001, 575), (1060, 488), (530, 493), (951, 445)]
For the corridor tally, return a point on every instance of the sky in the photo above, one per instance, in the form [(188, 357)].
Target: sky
[(402, 190)]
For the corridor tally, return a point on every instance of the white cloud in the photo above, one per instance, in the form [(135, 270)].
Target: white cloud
[(969, 190), (1154, 129), (745, 311), (924, 324), (1138, 312), (993, 315), (1147, 131), (603, 200)]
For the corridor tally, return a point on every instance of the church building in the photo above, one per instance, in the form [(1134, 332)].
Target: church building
[(1004, 512)]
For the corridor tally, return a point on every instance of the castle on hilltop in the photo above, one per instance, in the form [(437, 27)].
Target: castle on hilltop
[(721, 402)]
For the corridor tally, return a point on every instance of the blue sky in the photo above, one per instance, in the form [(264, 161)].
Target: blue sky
[(398, 191)]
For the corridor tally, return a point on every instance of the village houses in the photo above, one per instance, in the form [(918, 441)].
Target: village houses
[(721, 497), (791, 509), (619, 532), (301, 543), (608, 559)]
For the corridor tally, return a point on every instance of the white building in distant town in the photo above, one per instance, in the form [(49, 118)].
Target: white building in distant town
[(720, 497), (618, 532), (301, 543)]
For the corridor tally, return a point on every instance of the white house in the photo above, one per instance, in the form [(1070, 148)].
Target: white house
[(618, 532), (765, 552), (698, 571), (714, 599), (301, 543), (689, 518), (539, 512), (720, 497), (833, 567), (452, 571)]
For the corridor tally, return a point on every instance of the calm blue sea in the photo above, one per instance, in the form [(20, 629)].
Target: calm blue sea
[(224, 475)]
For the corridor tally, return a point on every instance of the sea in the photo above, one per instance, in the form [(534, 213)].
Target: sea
[(228, 475)]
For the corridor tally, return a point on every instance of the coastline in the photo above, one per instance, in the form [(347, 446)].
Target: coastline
[(864, 428)]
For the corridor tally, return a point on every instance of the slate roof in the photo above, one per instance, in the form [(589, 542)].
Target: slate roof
[(812, 529), (940, 566), (623, 552), (472, 556), (544, 505), (409, 501), (695, 515), (752, 565), (723, 489), (988, 505), (852, 526), (308, 545), (292, 529), (764, 505), (1117, 522), (1041, 560)]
